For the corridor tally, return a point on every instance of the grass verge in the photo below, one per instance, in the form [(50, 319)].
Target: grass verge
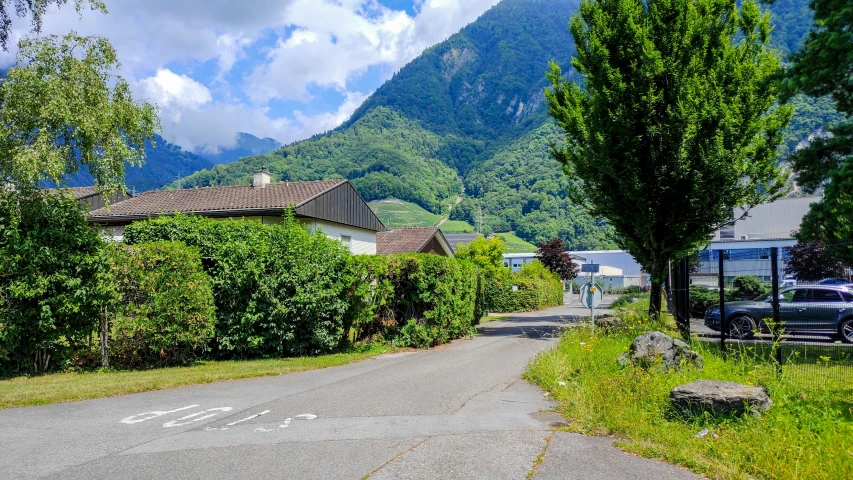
[(69, 387), (806, 434)]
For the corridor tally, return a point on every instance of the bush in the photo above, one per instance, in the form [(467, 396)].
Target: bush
[(748, 287), (435, 299), (50, 265), (164, 314), (279, 290), (538, 288)]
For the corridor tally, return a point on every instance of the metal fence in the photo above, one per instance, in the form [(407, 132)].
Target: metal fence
[(743, 300)]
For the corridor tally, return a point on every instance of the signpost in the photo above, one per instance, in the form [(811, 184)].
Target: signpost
[(590, 294)]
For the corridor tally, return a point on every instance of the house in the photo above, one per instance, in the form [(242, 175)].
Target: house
[(89, 198), (331, 206), (413, 240), (618, 267)]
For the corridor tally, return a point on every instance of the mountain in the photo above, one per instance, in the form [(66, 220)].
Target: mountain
[(164, 163), (470, 112), (247, 146)]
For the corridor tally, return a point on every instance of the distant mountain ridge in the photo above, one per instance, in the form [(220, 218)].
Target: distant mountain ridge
[(470, 110), (166, 162), (247, 145)]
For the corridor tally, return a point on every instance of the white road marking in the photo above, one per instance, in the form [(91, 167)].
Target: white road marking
[(305, 416), (175, 423), (286, 423), (154, 414), (249, 418)]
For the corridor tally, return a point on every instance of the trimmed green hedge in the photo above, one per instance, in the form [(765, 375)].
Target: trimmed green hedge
[(163, 314), (279, 289), (50, 269), (538, 288), (418, 300)]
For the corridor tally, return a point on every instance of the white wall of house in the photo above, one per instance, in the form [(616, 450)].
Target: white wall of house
[(361, 241)]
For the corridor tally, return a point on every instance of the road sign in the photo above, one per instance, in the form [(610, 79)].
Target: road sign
[(590, 295), (589, 267)]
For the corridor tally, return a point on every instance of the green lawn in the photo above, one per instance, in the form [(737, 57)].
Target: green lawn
[(806, 434), (515, 244), (456, 226), (69, 387), (399, 214)]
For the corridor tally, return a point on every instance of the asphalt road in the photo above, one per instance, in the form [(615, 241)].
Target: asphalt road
[(459, 411)]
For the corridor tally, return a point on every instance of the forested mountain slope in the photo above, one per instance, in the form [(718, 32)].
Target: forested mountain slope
[(471, 110)]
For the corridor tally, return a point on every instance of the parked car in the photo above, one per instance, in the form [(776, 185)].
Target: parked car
[(843, 282), (815, 309)]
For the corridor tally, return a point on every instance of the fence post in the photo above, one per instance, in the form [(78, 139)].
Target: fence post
[(721, 281), (774, 288)]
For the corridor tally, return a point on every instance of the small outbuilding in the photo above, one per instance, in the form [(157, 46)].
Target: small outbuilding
[(413, 240)]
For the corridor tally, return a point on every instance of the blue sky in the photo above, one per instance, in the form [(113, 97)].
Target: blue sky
[(285, 69)]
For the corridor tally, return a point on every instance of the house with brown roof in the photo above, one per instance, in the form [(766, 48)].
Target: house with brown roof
[(331, 206), (413, 240)]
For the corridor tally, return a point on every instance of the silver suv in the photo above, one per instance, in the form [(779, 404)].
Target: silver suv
[(814, 309)]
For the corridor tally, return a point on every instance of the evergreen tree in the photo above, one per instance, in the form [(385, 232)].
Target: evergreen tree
[(675, 126)]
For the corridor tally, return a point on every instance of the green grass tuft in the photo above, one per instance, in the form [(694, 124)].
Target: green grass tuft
[(515, 244)]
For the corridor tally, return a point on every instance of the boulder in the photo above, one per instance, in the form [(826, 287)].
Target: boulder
[(651, 348), (719, 398), (610, 323), (635, 300)]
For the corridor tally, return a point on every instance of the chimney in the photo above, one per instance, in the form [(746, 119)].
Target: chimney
[(262, 178)]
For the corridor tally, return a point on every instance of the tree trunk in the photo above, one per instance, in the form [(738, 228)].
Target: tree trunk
[(656, 277), (105, 349)]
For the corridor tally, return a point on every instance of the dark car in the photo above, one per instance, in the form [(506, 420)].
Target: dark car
[(815, 309), (837, 282)]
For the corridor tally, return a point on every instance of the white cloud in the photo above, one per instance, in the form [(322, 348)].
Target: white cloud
[(318, 44)]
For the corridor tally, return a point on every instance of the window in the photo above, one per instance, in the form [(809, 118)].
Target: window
[(727, 232), (825, 296), (347, 241), (785, 297), (801, 295), (847, 296)]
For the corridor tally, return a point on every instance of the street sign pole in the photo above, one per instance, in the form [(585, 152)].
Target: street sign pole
[(591, 303), (590, 296)]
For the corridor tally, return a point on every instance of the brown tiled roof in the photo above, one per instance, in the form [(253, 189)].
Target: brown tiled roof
[(403, 240), (78, 192), (217, 199)]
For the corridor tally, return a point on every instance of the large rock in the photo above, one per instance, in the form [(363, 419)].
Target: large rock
[(652, 348), (720, 398), (609, 323)]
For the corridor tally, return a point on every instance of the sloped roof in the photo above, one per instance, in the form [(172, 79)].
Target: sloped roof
[(404, 240), (218, 199), (78, 192), (456, 239)]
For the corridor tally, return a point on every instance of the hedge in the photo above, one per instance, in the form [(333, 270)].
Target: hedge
[(50, 270), (279, 289), (538, 288), (416, 300), (163, 314)]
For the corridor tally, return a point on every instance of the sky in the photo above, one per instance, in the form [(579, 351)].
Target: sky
[(285, 69)]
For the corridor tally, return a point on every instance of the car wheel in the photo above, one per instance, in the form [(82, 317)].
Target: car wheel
[(741, 327), (845, 330)]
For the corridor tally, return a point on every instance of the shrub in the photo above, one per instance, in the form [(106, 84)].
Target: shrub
[(435, 299), (279, 290), (164, 314), (747, 287), (538, 288), (50, 265), (371, 293), (554, 256)]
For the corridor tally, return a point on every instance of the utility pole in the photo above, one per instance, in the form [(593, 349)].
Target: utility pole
[(479, 219)]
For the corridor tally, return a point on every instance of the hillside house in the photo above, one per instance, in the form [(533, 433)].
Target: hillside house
[(331, 206)]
